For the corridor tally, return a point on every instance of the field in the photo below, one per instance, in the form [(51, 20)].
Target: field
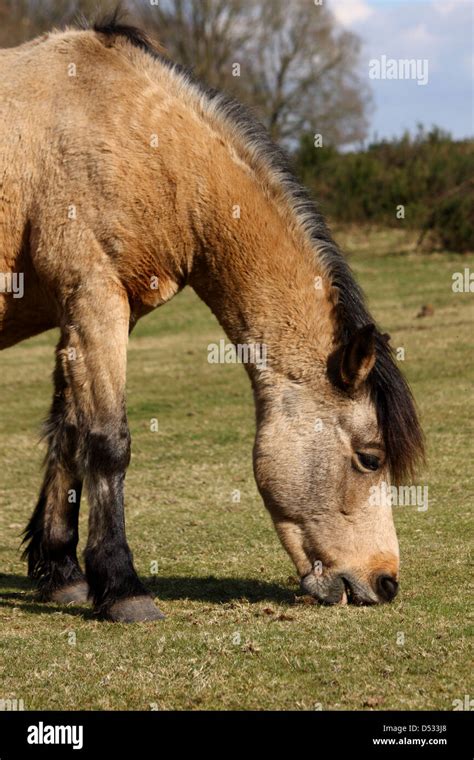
[(234, 637)]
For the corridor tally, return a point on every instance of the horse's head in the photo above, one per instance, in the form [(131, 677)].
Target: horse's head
[(325, 453)]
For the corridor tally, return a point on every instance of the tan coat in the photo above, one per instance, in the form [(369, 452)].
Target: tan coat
[(121, 182)]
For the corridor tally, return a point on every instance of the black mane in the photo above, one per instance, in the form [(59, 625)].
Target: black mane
[(396, 411)]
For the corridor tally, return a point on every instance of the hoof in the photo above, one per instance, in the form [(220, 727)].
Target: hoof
[(74, 593), (135, 609)]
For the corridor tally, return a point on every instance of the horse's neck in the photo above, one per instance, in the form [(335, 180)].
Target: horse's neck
[(263, 286)]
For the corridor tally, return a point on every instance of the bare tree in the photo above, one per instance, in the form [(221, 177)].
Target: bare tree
[(21, 20), (304, 73), (204, 35)]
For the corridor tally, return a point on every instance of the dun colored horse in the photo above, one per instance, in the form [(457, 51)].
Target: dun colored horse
[(121, 181)]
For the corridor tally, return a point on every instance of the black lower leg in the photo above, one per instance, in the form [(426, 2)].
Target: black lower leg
[(108, 559), (51, 538), (52, 533)]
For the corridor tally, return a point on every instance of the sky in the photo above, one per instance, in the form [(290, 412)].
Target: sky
[(438, 31)]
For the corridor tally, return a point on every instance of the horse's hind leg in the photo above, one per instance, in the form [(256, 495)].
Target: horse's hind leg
[(96, 332), (52, 533)]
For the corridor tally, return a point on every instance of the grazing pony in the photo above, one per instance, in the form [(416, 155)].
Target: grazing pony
[(121, 181)]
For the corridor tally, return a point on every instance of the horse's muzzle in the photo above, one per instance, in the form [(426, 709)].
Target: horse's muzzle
[(345, 588)]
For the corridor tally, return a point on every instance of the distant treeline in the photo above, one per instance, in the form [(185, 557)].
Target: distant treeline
[(430, 175)]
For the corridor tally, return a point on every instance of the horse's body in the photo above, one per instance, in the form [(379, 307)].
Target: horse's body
[(121, 182)]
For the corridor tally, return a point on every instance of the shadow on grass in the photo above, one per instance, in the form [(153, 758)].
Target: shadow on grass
[(217, 590), (19, 591), (24, 598)]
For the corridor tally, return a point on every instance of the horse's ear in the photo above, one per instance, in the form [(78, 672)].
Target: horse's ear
[(351, 365)]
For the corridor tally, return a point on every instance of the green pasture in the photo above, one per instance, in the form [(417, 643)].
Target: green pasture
[(236, 636)]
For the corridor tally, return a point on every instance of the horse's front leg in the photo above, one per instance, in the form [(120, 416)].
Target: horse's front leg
[(96, 333)]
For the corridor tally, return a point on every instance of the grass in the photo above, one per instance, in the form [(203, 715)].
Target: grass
[(234, 637)]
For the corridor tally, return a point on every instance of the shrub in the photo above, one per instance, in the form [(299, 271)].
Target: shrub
[(421, 173)]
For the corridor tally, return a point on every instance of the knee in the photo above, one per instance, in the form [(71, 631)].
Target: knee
[(108, 450)]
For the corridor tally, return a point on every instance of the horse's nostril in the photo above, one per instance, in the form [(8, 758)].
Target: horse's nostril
[(387, 587)]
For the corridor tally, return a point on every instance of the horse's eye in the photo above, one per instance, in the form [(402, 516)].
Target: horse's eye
[(368, 461)]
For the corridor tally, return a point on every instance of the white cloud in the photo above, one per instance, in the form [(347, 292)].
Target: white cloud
[(421, 30), (349, 12), (420, 35), (419, 41), (446, 7)]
